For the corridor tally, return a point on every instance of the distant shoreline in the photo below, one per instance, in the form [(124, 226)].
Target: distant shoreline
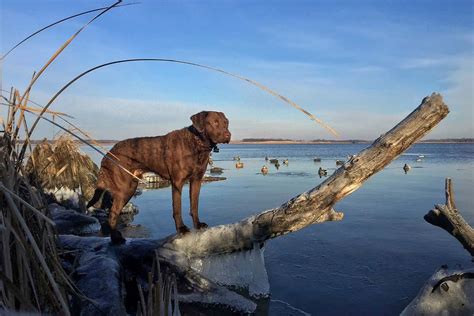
[(303, 142), (289, 142)]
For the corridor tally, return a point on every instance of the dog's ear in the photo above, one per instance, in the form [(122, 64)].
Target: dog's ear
[(199, 120)]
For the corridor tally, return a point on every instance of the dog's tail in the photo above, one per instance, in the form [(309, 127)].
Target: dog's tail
[(97, 195)]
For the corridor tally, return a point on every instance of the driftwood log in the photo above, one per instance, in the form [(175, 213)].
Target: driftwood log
[(448, 218), (196, 256), (316, 205), (448, 291)]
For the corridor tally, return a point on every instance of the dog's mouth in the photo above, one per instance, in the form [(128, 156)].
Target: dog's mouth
[(223, 141), (223, 138)]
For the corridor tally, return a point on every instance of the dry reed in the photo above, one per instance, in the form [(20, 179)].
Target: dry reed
[(161, 297), (31, 275)]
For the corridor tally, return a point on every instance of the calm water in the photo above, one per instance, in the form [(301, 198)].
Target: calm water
[(372, 262)]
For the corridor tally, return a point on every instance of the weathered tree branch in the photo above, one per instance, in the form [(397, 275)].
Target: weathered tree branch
[(316, 205), (448, 218), (447, 292)]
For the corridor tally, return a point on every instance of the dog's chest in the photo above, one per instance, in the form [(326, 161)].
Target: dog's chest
[(202, 159)]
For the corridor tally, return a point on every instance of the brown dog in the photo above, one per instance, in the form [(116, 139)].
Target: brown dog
[(178, 156)]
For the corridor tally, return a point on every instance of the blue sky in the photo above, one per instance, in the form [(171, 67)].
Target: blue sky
[(360, 66)]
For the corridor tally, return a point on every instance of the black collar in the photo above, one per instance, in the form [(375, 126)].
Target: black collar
[(203, 138)]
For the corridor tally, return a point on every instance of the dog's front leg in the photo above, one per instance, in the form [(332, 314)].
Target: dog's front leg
[(194, 189), (177, 187)]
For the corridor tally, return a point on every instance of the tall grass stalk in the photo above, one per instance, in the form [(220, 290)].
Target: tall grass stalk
[(162, 293), (31, 275)]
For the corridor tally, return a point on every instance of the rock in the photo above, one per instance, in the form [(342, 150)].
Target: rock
[(98, 277), (216, 170), (72, 222), (212, 178)]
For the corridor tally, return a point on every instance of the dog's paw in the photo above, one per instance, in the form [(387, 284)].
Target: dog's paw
[(201, 225), (183, 230)]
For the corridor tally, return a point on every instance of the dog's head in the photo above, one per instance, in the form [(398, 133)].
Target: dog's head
[(213, 124)]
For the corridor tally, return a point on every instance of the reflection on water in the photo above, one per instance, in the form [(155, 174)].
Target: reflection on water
[(372, 262)]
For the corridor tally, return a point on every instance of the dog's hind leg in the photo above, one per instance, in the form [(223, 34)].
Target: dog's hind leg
[(117, 206), (107, 201), (97, 194)]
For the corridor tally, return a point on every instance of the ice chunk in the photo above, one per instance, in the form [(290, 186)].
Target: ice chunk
[(242, 269)]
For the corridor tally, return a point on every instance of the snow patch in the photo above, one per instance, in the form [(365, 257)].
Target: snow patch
[(66, 195)]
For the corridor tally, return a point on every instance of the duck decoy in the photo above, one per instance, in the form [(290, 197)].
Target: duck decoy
[(322, 172), (406, 168)]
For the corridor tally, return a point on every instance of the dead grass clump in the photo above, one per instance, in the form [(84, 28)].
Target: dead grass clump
[(62, 166)]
